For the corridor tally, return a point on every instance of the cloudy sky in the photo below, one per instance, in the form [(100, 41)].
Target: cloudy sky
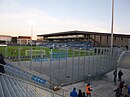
[(50, 16)]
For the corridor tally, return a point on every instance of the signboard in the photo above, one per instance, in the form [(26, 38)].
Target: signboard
[(53, 57), (38, 79)]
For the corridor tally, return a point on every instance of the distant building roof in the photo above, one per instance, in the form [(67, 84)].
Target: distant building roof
[(5, 37), (24, 37), (76, 32)]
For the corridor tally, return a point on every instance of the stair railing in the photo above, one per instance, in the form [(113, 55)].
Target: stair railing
[(30, 83)]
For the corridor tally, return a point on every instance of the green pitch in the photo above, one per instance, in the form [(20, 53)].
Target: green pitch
[(15, 50)]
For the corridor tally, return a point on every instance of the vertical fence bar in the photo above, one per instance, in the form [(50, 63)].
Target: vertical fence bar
[(41, 61), (89, 65), (96, 60), (93, 54), (5, 53), (59, 70), (107, 60), (78, 63), (31, 58), (84, 65), (103, 50), (100, 69), (116, 58), (111, 60), (73, 63), (50, 66), (19, 56), (66, 65)]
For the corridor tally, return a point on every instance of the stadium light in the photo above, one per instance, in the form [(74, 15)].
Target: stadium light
[(31, 23), (112, 25)]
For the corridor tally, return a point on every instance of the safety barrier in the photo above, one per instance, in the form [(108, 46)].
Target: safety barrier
[(12, 86)]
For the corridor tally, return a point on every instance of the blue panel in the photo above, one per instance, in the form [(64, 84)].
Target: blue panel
[(38, 79)]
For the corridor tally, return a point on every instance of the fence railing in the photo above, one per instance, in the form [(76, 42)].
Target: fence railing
[(78, 63), (11, 73)]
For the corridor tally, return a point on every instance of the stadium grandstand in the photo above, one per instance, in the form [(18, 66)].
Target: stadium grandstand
[(96, 38)]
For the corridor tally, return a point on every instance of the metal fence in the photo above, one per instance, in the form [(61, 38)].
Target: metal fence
[(66, 66), (13, 85)]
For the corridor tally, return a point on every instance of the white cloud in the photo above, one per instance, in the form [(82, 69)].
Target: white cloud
[(8, 4), (47, 24)]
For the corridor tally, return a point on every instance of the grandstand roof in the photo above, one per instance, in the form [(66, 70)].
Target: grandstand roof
[(76, 32)]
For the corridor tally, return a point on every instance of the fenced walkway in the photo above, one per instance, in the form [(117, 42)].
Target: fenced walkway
[(103, 87)]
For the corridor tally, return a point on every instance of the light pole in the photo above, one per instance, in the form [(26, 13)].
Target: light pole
[(31, 23), (31, 33), (112, 25)]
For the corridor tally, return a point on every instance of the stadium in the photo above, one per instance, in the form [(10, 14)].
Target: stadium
[(61, 59), (98, 39)]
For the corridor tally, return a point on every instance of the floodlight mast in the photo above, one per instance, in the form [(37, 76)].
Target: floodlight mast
[(112, 25), (31, 23), (31, 33)]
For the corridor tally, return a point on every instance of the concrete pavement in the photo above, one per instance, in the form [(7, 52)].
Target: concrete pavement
[(103, 87)]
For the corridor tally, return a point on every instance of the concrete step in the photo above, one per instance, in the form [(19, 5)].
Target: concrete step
[(1, 91), (4, 86), (11, 90), (18, 93)]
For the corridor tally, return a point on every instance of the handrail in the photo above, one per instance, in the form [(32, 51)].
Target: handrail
[(121, 56), (28, 70), (24, 74), (30, 83), (33, 73)]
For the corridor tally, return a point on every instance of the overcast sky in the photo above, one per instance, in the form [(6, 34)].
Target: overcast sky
[(51, 16)]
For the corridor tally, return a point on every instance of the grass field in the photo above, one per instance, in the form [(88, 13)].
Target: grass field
[(14, 50)]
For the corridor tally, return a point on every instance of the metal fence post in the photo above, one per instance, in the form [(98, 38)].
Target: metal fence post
[(84, 65), (107, 59), (89, 62), (66, 65), (19, 56), (50, 65), (97, 60), (78, 63), (41, 61), (59, 70), (6, 51), (73, 63), (100, 69), (109, 63), (93, 54), (103, 58), (31, 58)]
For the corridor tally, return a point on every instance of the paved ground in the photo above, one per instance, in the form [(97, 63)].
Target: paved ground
[(73, 70), (103, 87)]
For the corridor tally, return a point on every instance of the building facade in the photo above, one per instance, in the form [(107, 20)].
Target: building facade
[(24, 40), (5, 39)]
